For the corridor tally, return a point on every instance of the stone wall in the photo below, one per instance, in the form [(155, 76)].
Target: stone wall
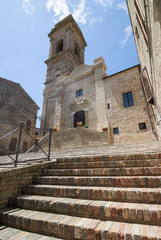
[(77, 138), (16, 107), (149, 52), (12, 181), (127, 119)]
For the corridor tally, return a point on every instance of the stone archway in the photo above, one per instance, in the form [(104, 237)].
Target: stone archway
[(79, 116)]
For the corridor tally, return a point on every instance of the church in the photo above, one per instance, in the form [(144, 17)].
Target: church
[(77, 92)]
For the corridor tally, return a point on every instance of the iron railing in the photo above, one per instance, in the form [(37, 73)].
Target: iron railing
[(37, 142)]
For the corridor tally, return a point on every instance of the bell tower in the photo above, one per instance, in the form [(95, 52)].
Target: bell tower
[(67, 46)]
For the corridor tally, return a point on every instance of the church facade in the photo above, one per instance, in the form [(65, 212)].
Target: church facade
[(76, 92)]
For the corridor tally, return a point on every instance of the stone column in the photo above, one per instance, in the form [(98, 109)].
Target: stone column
[(101, 111), (58, 107)]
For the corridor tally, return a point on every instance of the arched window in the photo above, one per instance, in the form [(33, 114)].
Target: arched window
[(57, 73), (59, 47), (77, 50)]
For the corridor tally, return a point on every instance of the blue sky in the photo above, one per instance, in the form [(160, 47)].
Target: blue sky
[(25, 24)]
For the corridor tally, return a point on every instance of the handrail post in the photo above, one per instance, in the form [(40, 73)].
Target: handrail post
[(19, 141), (50, 135)]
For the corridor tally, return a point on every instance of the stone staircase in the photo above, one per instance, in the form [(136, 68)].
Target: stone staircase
[(102, 197)]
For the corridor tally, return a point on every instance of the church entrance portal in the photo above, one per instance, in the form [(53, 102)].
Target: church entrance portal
[(79, 116)]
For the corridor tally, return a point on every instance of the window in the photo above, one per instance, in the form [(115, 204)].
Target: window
[(77, 50), (57, 73), (147, 86), (79, 93), (128, 99), (36, 133), (28, 125), (141, 20), (116, 130), (25, 145), (13, 144), (59, 46), (142, 126), (108, 105)]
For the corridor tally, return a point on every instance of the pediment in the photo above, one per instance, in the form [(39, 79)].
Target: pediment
[(79, 101), (80, 70)]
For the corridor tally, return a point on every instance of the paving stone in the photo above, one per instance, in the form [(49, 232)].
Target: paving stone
[(149, 171), (123, 181), (101, 193), (8, 233), (115, 196)]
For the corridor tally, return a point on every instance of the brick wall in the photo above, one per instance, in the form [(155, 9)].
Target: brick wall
[(12, 181)]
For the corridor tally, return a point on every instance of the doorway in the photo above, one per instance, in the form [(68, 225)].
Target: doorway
[(79, 116)]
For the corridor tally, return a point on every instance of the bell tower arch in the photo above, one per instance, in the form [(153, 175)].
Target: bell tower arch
[(67, 46)]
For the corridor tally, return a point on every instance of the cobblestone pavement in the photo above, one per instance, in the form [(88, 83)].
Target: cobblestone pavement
[(36, 157)]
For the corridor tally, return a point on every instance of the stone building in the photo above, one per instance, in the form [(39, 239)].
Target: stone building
[(16, 106), (76, 92), (146, 24)]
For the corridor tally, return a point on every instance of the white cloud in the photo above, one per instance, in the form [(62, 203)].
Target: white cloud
[(79, 9), (105, 3), (28, 6), (128, 32), (60, 8), (94, 20), (80, 13), (122, 6)]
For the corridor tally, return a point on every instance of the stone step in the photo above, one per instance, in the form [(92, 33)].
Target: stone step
[(142, 195), (110, 157), (103, 210), (134, 171), (123, 181), (68, 227), (108, 164), (7, 233)]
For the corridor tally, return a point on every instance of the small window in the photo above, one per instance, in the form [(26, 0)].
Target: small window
[(36, 133), (116, 130), (79, 93), (13, 143), (25, 145), (28, 125), (128, 99), (57, 73), (108, 105), (77, 50), (59, 46), (142, 126)]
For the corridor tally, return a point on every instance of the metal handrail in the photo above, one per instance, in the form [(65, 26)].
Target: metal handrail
[(16, 124), (36, 143), (9, 133), (32, 147)]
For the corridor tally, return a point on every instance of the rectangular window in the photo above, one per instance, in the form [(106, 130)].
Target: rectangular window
[(13, 143), (142, 126), (147, 86), (116, 130), (28, 125), (79, 93), (128, 99), (108, 105)]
